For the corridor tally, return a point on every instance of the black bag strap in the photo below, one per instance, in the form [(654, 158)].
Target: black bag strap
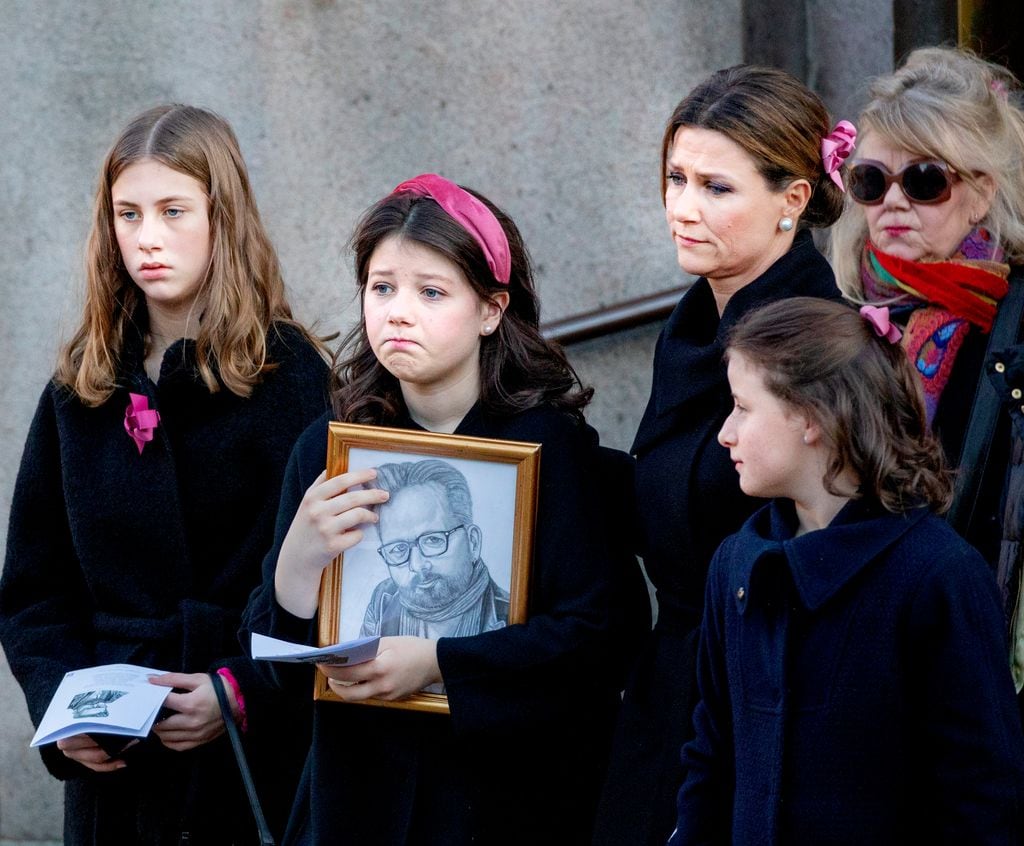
[(984, 413), (266, 838)]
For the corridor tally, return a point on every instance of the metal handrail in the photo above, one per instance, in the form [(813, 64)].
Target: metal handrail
[(616, 318)]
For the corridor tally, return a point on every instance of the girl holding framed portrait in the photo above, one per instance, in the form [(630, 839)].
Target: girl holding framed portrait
[(449, 342)]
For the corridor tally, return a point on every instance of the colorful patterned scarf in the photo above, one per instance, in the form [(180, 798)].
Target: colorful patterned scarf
[(938, 300)]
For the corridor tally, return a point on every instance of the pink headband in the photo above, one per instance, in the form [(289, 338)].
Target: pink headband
[(879, 320), (478, 220), (836, 148)]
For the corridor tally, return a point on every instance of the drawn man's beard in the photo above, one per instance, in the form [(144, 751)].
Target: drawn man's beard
[(441, 590)]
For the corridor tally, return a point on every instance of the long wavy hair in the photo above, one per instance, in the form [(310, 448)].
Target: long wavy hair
[(825, 361), (950, 105), (519, 369), (242, 292)]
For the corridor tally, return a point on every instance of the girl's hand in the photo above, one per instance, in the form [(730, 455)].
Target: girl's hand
[(198, 720), (403, 666), (324, 527), (89, 753)]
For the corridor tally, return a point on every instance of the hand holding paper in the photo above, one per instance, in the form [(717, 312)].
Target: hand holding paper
[(110, 699), (340, 654)]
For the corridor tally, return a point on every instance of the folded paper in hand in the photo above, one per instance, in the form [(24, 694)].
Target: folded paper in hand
[(352, 652), (110, 699)]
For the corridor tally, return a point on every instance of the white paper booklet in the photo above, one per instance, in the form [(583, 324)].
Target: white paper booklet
[(112, 699), (353, 652)]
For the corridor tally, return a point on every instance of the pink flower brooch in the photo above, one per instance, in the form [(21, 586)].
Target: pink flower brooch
[(140, 420)]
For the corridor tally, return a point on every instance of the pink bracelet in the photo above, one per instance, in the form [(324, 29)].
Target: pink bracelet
[(229, 677)]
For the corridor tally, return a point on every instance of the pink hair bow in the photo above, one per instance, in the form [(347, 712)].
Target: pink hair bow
[(140, 420), (472, 215), (836, 148), (878, 317)]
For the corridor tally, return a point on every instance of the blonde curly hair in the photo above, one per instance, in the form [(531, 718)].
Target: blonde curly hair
[(950, 105)]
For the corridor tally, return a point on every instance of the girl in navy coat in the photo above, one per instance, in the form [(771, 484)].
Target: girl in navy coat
[(146, 496), (450, 342), (852, 671)]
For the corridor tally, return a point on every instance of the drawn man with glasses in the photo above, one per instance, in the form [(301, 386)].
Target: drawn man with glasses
[(438, 584)]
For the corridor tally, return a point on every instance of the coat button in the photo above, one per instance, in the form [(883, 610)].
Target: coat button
[(741, 593), (1000, 367), (1015, 393)]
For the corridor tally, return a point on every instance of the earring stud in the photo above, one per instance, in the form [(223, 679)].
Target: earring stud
[(786, 224)]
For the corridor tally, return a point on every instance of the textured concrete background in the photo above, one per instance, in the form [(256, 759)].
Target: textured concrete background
[(552, 109)]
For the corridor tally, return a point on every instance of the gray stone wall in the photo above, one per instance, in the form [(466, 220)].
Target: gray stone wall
[(552, 109)]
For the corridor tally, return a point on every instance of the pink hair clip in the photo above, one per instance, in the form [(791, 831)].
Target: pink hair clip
[(472, 215), (140, 421), (878, 317), (999, 88), (836, 148)]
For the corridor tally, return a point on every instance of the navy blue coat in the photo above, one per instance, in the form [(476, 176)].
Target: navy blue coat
[(690, 500), (522, 756), (854, 689)]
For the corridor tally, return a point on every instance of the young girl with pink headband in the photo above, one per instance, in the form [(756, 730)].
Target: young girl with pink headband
[(852, 675), (449, 342)]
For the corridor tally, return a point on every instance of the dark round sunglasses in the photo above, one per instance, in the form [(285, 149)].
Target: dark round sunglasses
[(921, 182)]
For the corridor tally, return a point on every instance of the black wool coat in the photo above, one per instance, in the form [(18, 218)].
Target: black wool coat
[(689, 500), (1005, 368), (522, 755), (117, 557), (854, 689), (996, 527)]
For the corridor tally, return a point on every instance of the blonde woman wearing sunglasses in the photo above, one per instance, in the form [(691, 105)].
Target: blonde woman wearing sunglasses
[(934, 227)]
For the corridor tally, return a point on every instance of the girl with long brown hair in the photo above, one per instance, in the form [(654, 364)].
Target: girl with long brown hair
[(851, 667), (150, 477)]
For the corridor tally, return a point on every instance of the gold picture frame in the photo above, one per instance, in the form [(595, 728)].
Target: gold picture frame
[(502, 477)]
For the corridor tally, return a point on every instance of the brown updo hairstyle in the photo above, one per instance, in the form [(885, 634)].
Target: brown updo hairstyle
[(776, 119), (519, 368), (824, 360)]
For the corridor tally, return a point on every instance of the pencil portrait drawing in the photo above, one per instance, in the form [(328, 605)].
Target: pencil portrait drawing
[(437, 583), (450, 552)]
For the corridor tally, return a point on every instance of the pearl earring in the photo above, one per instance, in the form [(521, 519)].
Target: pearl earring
[(487, 330), (786, 224)]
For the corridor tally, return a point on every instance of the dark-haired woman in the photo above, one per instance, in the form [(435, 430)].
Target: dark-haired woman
[(449, 342), (749, 164)]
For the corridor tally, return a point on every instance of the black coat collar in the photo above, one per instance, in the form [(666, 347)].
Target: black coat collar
[(178, 367), (688, 360)]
